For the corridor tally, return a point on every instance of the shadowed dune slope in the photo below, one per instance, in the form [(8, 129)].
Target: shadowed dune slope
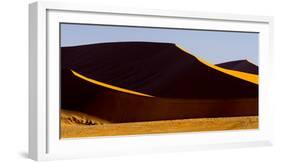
[(240, 65), (118, 107), (143, 81), (156, 69)]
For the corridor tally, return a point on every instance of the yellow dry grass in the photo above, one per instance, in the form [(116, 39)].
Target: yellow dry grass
[(75, 124)]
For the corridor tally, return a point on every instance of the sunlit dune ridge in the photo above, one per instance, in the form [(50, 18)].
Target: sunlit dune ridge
[(253, 78), (108, 85)]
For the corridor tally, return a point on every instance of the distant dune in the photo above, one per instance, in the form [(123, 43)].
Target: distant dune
[(240, 65), (143, 81)]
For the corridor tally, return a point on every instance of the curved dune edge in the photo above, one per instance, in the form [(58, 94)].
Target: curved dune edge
[(241, 75), (108, 85)]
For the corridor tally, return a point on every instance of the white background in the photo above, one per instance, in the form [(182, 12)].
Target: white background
[(14, 81)]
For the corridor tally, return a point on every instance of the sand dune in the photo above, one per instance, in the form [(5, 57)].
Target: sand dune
[(143, 87), (154, 69), (240, 65)]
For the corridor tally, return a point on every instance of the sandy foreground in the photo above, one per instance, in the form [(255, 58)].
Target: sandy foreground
[(76, 124)]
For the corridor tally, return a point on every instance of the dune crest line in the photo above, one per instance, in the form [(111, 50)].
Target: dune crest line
[(241, 75), (108, 85)]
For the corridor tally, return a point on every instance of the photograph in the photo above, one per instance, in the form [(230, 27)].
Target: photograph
[(129, 80)]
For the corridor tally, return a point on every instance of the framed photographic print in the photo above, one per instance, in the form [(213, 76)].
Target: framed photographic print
[(113, 81)]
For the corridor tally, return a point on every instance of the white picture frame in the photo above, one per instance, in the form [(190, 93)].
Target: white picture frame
[(44, 142)]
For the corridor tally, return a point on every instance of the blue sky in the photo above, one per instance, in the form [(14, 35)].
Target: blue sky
[(212, 46)]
